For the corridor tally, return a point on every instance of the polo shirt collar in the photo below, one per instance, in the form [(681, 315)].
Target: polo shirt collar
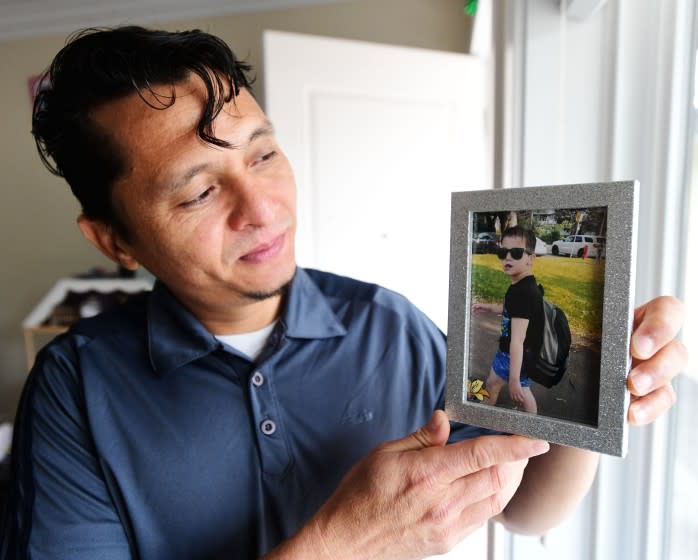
[(308, 313), (176, 337)]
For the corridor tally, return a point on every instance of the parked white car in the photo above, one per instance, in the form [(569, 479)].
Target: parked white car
[(574, 245), (541, 247)]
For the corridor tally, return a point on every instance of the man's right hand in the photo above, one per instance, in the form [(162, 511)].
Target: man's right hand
[(416, 497)]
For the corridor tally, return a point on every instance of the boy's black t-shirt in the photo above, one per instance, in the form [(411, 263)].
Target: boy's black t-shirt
[(523, 300)]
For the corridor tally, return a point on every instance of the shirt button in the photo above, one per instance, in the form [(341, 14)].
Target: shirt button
[(268, 427), (257, 379)]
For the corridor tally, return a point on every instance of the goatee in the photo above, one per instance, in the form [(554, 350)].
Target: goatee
[(280, 291)]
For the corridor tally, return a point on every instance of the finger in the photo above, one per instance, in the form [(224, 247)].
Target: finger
[(470, 489), (473, 499), (434, 433), (493, 504), (648, 408), (655, 324), (659, 370), (470, 456)]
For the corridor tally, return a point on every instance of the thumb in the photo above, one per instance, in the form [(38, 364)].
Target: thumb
[(433, 434)]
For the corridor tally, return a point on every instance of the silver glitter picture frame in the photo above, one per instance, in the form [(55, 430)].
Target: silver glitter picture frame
[(599, 360)]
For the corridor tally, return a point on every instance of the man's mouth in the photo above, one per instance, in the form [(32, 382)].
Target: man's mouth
[(265, 251)]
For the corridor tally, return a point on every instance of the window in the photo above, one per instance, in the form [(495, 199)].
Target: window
[(682, 541)]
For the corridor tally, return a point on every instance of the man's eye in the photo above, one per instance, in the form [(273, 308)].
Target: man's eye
[(199, 199), (268, 156)]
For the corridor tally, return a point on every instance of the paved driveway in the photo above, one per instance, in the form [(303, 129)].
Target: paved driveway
[(575, 398)]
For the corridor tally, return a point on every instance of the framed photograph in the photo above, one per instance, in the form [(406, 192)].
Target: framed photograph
[(541, 310)]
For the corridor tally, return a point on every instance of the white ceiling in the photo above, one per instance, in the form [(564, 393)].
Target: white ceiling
[(26, 18)]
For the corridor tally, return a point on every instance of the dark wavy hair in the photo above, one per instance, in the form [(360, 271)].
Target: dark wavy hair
[(101, 65), (524, 233)]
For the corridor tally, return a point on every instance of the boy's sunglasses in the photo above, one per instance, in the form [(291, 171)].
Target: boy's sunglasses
[(516, 253)]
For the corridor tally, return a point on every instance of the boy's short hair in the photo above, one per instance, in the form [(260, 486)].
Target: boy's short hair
[(524, 233)]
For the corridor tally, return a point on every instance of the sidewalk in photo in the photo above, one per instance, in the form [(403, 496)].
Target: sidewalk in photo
[(575, 398)]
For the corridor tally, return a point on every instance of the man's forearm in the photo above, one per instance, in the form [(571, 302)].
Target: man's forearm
[(304, 544), (553, 484)]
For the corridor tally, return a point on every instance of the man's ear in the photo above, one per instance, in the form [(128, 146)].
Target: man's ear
[(107, 241)]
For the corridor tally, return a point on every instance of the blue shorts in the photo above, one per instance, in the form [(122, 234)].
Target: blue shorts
[(500, 365)]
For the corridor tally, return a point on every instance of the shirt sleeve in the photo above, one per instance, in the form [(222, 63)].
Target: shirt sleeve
[(59, 504), (460, 432), (519, 304)]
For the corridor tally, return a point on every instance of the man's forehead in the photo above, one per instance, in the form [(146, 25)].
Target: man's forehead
[(181, 105), (152, 104), (151, 127)]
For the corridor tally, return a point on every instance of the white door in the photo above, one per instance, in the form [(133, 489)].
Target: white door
[(379, 136)]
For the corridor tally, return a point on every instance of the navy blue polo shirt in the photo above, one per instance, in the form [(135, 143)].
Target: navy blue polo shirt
[(140, 435)]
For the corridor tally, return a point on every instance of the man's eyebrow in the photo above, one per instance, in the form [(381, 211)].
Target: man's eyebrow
[(265, 129), (187, 176)]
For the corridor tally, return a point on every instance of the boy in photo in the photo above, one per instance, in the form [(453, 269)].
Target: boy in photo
[(522, 321)]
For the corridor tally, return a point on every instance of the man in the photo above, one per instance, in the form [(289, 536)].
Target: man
[(240, 409)]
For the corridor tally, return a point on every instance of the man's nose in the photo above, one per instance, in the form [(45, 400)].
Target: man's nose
[(252, 204)]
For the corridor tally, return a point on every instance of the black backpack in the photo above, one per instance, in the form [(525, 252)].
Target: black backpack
[(552, 360)]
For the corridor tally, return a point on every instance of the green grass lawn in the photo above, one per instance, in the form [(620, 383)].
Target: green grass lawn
[(575, 285)]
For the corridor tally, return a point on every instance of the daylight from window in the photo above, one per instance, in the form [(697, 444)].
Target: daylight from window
[(683, 538)]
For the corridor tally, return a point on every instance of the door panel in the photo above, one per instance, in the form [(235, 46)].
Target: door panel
[(379, 136)]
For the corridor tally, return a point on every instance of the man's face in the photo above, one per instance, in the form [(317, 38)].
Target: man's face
[(516, 269), (216, 225)]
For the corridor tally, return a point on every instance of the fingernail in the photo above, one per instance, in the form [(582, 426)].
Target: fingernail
[(641, 382), (643, 346), (540, 447), (639, 414)]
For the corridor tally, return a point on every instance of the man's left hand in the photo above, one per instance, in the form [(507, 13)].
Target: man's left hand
[(657, 358)]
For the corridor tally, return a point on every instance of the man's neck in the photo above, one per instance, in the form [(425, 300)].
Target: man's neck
[(244, 318), (239, 315)]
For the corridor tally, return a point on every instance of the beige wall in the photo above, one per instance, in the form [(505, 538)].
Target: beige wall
[(40, 242)]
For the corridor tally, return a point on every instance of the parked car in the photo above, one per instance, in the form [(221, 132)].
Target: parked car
[(485, 242), (574, 245), (541, 247)]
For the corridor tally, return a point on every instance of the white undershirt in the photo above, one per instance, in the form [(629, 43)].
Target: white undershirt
[(250, 343)]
